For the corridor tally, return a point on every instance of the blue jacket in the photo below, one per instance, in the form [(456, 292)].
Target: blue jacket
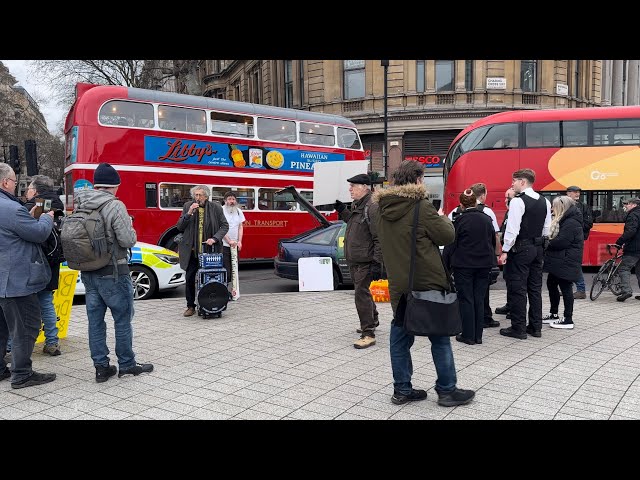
[(23, 267)]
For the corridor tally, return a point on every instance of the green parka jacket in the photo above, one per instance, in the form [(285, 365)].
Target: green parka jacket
[(395, 224)]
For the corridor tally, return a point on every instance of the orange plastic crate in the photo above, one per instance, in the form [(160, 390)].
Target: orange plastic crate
[(380, 290)]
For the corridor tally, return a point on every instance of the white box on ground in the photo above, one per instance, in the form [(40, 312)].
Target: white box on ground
[(315, 274), (330, 180)]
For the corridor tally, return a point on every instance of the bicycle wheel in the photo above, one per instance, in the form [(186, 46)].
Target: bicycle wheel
[(615, 286), (600, 280)]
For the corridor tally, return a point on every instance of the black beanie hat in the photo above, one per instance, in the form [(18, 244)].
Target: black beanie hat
[(106, 176)]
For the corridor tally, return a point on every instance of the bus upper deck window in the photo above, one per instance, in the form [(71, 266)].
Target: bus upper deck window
[(127, 114), (348, 138), (276, 130), (316, 134), (181, 119), (234, 125)]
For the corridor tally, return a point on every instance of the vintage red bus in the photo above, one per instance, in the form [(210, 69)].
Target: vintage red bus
[(597, 149), (163, 144)]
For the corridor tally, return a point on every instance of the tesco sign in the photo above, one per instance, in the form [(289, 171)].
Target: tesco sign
[(429, 161)]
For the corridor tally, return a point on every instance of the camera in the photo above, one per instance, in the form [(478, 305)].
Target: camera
[(42, 206)]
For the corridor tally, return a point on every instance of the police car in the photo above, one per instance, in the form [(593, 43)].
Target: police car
[(153, 269)]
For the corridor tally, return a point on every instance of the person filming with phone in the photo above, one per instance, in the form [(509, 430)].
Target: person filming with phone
[(41, 194)]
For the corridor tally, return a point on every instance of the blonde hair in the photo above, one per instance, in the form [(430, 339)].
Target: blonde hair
[(560, 206)]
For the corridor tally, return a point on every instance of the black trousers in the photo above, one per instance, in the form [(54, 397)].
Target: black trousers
[(524, 273), (190, 276), (566, 287), (20, 319), (488, 313), (471, 284)]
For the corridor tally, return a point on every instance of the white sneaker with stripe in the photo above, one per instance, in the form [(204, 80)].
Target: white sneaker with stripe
[(562, 324)]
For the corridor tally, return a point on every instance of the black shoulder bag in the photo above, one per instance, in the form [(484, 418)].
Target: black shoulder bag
[(429, 312)]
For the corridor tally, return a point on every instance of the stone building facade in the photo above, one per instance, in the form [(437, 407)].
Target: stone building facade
[(20, 120), (428, 101)]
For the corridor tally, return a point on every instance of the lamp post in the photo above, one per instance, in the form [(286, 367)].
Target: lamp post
[(385, 65)]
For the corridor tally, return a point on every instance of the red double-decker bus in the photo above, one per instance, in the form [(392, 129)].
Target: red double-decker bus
[(163, 144), (597, 149)]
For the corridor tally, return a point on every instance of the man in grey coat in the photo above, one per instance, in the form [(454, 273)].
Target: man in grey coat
[(24, 271), (202, 221)]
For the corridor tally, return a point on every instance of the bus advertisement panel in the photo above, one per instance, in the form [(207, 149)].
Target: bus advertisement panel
[(163, 144), (596, 149)]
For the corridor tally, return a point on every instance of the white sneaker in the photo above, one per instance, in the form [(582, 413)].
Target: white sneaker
[(550, 318), (561, 324)]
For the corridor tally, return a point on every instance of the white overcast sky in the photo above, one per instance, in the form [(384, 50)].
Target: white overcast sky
[(52, 113)]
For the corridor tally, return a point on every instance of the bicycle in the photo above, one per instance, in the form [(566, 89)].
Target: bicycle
[(608, 276)]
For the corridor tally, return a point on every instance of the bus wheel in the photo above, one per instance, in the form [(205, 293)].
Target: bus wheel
[(144, 282)]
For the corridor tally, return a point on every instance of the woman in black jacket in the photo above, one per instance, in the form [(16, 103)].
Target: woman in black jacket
[(563, 259), (42, 187), (471, 257)]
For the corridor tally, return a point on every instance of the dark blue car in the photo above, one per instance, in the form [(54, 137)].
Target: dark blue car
[(326, 240)]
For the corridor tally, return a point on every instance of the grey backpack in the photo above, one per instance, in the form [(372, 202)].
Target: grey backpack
[(84, 239)]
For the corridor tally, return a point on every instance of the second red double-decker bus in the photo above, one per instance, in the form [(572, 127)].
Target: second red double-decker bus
[(597, 149), (163, 144)]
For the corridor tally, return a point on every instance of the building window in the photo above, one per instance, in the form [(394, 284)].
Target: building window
[(255, 85), (420, 76), (353, 79), (301, 71), (288, 83), (529, 75), (468, 75), (444, 75), (236, 91)]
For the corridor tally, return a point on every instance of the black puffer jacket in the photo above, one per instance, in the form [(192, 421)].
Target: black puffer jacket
[(630, 237), (53, 257), (563, 257)]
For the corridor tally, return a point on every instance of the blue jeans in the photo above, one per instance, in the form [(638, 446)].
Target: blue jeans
[(117, 294), (580, 285), (400, 343), (49, 318)]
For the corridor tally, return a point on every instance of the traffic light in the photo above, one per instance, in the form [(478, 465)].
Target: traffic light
[(31, 157), (14, 159)]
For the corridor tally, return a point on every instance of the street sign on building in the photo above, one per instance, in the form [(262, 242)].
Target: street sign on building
[(496, 83)]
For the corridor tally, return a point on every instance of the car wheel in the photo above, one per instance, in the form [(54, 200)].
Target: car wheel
[(144, 282), (336, 278)]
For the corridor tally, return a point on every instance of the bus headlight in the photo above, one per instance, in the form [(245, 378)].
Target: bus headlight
[(171, 259)]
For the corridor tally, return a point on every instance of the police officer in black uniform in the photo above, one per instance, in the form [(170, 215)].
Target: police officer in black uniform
[(522, 255)]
